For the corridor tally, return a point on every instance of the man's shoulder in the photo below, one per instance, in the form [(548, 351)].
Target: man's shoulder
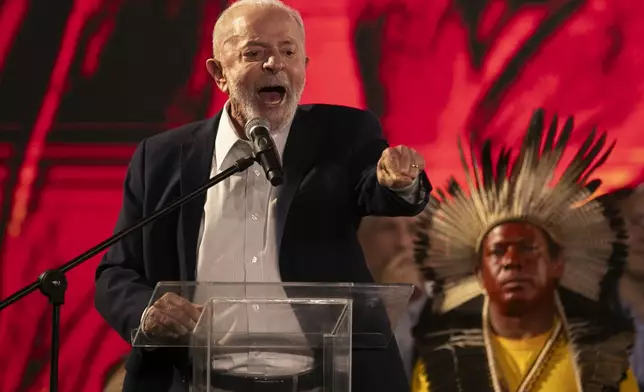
[(177, 135), (162, 150)]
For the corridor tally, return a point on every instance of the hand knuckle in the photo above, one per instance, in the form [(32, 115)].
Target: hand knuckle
[(165, 320)]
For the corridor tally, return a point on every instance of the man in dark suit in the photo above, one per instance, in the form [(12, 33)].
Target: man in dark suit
[(337, 169)]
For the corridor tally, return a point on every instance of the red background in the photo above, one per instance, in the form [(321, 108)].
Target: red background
[(81, 82)]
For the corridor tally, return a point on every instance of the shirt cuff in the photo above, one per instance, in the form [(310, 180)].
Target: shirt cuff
[(143, 315), (410, 193)]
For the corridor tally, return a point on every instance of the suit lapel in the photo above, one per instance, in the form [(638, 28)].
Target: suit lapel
[(196, 162), (300, 153)]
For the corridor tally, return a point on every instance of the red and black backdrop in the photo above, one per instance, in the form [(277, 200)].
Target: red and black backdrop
[(82, 81)]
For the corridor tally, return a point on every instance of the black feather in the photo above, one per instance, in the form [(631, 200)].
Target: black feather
[(552, 134), (453, 187), (502, 167), (566, 131), (531, 139), (599, 161), (593, 185), (487, 165)]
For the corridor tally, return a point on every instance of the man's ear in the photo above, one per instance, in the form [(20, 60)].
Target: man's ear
[(217, 72)]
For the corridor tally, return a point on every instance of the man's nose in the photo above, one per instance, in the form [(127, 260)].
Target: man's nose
[(512, 259), (274, 64)]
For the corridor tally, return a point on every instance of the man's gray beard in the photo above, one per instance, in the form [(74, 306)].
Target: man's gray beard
[(250, 110)]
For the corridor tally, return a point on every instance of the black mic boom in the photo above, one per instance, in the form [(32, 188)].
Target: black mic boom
[(257, 131)]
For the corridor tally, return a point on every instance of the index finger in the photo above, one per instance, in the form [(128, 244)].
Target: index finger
[(186, 306), (192, 310)]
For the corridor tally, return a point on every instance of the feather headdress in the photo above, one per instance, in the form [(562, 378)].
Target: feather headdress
[(520, 188)]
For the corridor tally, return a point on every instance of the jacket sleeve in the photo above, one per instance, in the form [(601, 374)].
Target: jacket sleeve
[(372, 198), (122, 290)]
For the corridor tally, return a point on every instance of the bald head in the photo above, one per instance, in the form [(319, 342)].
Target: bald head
[(231, 18)]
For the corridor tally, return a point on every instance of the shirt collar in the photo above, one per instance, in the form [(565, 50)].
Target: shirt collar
[(227, 137)]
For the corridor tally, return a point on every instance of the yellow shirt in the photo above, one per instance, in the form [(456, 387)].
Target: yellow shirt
[(514, 358)]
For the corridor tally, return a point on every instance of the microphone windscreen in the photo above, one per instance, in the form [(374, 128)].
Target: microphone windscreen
[(255, 123)]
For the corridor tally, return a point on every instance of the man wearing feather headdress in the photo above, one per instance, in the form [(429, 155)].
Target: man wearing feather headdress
[(527, 273)]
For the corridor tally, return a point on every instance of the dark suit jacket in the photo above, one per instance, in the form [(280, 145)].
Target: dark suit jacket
[(329, 184)]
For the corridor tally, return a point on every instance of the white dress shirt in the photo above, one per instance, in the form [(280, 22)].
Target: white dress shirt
[(237, 235), (237, 243)]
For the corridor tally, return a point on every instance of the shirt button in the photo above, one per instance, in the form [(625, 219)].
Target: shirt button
[(253, 260), (253, 217), (256, 308), (257, 173)]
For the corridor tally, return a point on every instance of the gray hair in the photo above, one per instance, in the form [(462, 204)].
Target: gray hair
[(260, 3)]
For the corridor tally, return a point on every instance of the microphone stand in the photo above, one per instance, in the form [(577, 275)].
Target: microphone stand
[(52, 283)]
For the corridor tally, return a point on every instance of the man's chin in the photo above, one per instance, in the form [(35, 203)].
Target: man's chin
[(515, 304), (515, 307), (278, 117)]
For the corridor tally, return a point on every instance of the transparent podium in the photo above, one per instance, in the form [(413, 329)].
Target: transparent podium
[(282, 331)]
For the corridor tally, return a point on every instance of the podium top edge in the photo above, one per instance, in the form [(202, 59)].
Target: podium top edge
[(289, 284)]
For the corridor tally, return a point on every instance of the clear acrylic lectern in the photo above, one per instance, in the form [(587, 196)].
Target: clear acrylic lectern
[(253, 329)]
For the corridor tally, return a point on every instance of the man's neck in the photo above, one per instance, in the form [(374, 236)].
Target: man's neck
[(238, 119), (535, 321)]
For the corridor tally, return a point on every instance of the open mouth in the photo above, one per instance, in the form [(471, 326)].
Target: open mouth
[(271, 95)]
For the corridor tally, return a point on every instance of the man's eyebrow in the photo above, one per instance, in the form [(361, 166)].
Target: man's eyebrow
[(507, 241), (258, 42), (254, 42)]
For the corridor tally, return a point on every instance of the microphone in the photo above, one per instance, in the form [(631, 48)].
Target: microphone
[(257, 131)]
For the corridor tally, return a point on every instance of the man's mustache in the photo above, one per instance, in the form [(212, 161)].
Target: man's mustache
[(274, 81)]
